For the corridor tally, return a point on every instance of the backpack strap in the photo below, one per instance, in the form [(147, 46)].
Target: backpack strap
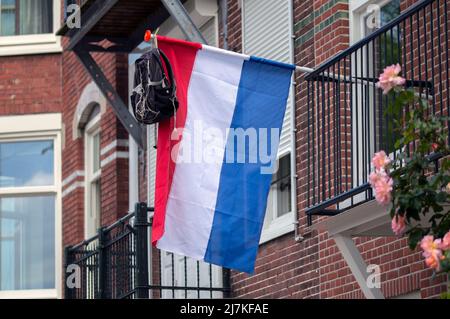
[(169, 70)]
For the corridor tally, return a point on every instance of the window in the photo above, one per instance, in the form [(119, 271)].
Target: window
[(180, 271), (255, 14), (93, 174), (20, 17), (28, 26), (30, 206), (279, 203), (368, 16)]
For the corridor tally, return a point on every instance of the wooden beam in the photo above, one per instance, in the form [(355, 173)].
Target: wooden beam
[(119, 107)]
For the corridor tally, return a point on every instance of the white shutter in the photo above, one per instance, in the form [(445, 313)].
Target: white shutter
[(152, 164), (266, 33), (209, 32)]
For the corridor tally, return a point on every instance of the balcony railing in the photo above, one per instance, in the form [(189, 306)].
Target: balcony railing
[(114, 264), (347, 122)]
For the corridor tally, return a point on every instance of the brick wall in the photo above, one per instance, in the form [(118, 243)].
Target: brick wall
[(114, 176), (30, 84), (314, 267)]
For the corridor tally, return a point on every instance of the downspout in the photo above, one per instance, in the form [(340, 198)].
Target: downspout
[(224, 16), (133, 168), (297, 236)]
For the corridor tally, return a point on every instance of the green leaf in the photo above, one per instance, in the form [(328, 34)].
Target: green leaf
[(415, 235)]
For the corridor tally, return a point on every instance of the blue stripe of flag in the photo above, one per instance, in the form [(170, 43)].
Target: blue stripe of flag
[(243, 190)]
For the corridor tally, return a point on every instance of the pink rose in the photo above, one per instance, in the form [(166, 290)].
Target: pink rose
[(380, 160), (447, 188), (390, 78), (398, 224), (433, 262), (445, 244), (383, 189), (374, 177), (431, 252)]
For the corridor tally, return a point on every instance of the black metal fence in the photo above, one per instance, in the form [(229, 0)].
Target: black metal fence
[(347, 123), (117, 264)]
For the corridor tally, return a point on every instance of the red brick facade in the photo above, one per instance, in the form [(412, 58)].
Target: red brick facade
[(285, 268), (30, 84), (314, 267)]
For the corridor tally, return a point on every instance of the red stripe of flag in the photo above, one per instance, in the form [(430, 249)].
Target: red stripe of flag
[(182, 56)]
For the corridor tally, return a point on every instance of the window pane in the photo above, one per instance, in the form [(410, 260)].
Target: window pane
[(96, 152), (390, 11), (36, 16), (26, 163), (94, 210), (279, 199), (30, 17), (283, 177), (7, 17), (27, 243), (387, 13)]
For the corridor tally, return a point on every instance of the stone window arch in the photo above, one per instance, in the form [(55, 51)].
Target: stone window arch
[(91, 103)]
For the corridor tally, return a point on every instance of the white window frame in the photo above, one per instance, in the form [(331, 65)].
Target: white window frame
[(280, 226), (34, 43), (359, 11), (91, 129), (38, 127)]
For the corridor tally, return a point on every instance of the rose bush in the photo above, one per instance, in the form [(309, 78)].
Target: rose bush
[(414, 179)]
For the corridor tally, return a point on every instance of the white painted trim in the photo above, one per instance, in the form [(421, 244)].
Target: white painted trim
[(278, 227), (34, 43), (72, 187), (72, 177), (30, 294), (113, 157), (31, 49), (58, 218), (114, 144), (18, 124), (359, 221), (92, 129), (28, 190)]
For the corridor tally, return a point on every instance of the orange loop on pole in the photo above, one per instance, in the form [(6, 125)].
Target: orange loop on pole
[(148, 36)]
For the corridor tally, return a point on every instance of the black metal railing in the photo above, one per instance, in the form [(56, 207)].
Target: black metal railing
[(347, 122), (117, 264)]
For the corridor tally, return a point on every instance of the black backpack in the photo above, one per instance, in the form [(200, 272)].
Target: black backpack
[(154, 94)]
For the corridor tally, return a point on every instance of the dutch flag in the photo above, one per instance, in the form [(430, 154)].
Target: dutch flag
[(209, 204)]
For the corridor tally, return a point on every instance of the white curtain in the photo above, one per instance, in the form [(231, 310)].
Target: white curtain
[(36, 16)]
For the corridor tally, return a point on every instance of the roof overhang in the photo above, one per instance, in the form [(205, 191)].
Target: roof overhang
[(119, 26), (368, 219), (121, 22)]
